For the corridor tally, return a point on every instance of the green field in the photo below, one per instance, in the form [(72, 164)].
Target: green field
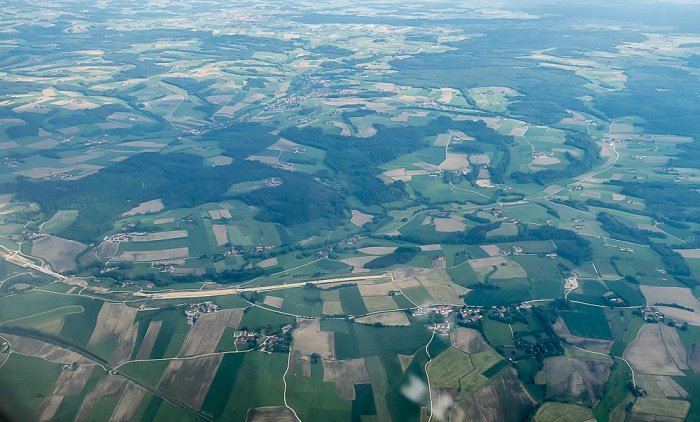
[(315, 400), (149, 373), (449, 367), (359, 340), (257, 384), (497, 333), (275, 125), (552, 411), (587, 321), (26, 380)]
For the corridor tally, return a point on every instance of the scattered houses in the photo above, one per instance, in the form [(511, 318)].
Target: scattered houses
[(194, 311)]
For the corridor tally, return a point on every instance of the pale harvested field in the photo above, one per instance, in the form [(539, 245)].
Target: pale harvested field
[(595, 373), (344, 129), (511, 270), (647, 409), (275, 302), (596, 345), (441, 287), (206, 332), (375, 289), (430, 168), (559, 371), (621, 128), (146, 207), (448, 225), (149, 340), (387, 318), (8, 145), (468, 340), (270, 414), (377, 250), (379, 303), (214, 214), (59, 252), (127, 340), (618, 197), (188, 380), (108, 387), (360, 219), (270, 262), (219, 98), (164, 220), (403, 174), (492, 250), (552, 189), (647, 353), (357, 262), (483, 174), (518, 131), (680, 295), (650, 227), (128, 403), (681, 315), (366, 131), (220, 160), (220, 233), (309, 339), (37, 348), (487, 262), (446, 95), (345, 374), (263, 159), (143, 144), (442, 140), (332, 307), (455, 162), (675, 346), (47, 409), (434, 247), (113, 318), (144, 256), (545, 161), (590, 194), (670, 388), (72, 382), (385, 179), (150, 237), (5, 199), (405, 276), (387, 86), (689, 253), (479, 159), (45, 144)]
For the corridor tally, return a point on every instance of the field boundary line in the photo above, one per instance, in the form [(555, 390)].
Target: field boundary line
[(284, 380), (427, 377)]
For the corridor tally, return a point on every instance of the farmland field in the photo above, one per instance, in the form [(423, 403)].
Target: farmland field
[(262, 211), (587, 321)]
